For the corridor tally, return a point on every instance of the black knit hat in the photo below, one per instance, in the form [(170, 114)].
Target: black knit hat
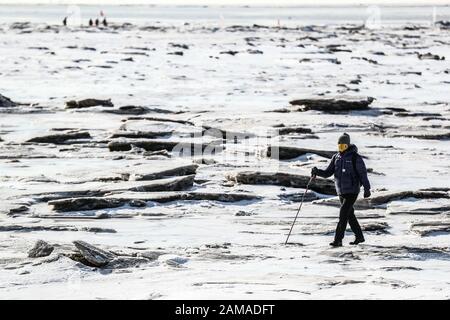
[(344, 139)]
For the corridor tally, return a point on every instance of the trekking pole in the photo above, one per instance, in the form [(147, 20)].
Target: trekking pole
[(301, 203)]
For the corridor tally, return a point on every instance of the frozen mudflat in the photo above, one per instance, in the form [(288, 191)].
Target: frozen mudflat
[(124, 216)]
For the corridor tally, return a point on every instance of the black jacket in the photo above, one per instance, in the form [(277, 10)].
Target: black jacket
[(347, 181)]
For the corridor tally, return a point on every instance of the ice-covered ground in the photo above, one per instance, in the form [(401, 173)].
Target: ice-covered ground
[(218, 238)]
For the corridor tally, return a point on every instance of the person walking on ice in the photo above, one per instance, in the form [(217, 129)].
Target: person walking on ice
[(349, 174)]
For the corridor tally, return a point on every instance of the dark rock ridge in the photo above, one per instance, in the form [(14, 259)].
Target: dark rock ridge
[(383, 198), (429, 56), (6, 102), (156, 145), (226, 134), (15, 227), (139, 110), (320, 185), (289, 130), (417, 114), (230, 52), (169, 184), (250, 51), (407, 252), (87, 103), (325, 230), (425, 136), (86, 204), (159, 119), (287, 153), (377, 227), (140, 134), (40, 249), (426, 210), (190, 169), (181, 46), (20, 25), (443, 24), (365, 59), (297, 197), (176, 53), (283, 130), (96, 203), (425, 229), (446, 189), (94, 256), (97, 230), (60, 138), (334, 104), (19, 209)]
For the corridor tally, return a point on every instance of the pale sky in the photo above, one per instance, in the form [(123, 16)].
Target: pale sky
[(233, 2)]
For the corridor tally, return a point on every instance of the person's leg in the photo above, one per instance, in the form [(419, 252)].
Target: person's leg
[(354, 224), (346, 206)]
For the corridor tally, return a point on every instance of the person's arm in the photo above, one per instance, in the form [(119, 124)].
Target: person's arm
[(328, 172), (362, 173)]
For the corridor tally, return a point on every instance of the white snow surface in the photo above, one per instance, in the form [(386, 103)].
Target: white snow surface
[(209, 251)]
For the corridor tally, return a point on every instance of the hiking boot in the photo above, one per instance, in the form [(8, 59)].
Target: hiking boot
[(336, 244), (357, 240)]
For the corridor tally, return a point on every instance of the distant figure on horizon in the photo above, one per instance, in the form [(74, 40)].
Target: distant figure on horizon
[(97, 22), (65, 21), (102, 15), (91, 23)]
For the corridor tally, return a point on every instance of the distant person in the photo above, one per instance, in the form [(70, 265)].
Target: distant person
[(97, 22), (91, 23), (65, 21), (349, 173), (105, 23)]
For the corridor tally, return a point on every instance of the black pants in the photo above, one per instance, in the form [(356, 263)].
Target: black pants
[(347, 214)]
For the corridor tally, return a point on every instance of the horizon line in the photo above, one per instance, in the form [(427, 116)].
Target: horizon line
[(325, 5)]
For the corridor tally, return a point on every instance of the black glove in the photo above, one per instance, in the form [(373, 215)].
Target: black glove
[(367, 193), (314, 172)]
